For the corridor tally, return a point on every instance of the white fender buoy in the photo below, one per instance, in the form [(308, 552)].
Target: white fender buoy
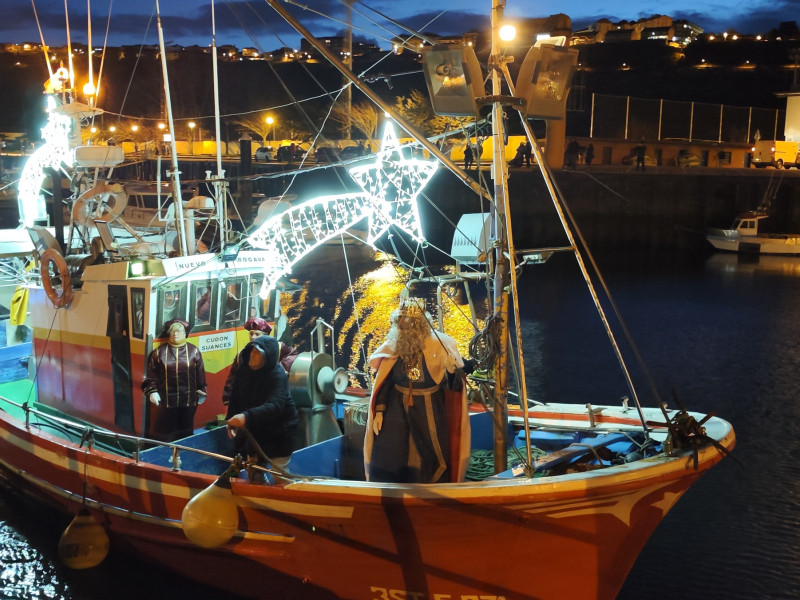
[(211, 518), (84, 543)]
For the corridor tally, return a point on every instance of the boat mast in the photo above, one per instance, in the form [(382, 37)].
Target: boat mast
[(177, 197), (501, 231), (220, 194)]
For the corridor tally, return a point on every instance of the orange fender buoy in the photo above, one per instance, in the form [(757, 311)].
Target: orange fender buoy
[(63, 298)]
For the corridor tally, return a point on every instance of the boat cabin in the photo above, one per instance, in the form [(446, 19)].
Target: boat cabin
[(92, 352), (747, 223)]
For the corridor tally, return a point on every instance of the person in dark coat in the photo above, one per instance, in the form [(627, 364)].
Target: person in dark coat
[(528, 153), (519, 157), (175, 382), (640, 151), (261, 402), (257, 327), (588, 157), (469, 156), (571, 155)]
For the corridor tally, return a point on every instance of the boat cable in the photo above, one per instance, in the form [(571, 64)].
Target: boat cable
[(103, 54), (606, 186), (362, 350), (333, 95), (414, 33), (139, 54), (41, 37), (572, 231), (615, 308)]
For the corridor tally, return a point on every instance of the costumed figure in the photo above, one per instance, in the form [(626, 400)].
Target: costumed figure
[(257, 327), (175, 382), (261, 402), (415, 435)]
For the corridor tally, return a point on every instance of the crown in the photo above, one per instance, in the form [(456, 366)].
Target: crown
[(412, 307)]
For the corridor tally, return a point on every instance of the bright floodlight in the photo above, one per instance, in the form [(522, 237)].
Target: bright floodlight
[(508, 33)]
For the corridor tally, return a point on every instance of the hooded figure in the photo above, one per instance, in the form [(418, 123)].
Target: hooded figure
[(257, 327), (175, 382), (261, 402)]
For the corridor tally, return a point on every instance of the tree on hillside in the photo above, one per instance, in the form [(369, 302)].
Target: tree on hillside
[(363, 117), (416, 109), (255, 123)]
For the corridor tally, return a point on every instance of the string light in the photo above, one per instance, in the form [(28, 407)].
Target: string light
[(391, 186), (52, 154)]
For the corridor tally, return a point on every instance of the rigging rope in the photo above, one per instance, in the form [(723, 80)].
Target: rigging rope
[(484, 346)]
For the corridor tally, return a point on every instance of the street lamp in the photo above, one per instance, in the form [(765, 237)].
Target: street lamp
[(192, 125), (270, 122)]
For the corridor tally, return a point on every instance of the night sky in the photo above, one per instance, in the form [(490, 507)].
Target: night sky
[(253, 23)]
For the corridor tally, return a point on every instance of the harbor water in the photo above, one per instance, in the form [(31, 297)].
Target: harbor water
[(716, 333)]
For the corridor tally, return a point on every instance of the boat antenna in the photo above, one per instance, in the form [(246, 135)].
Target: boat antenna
[(177, 197), (220, 194), (89, 90), (69, 50), (41, 37)]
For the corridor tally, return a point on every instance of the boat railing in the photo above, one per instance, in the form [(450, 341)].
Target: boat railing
[(87, 435)]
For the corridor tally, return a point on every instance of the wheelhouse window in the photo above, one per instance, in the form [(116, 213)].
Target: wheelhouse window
[(235, 301), (256, 306), (171, 305), (204, 302)]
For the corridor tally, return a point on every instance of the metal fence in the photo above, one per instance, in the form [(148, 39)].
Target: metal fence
[(628, 118)]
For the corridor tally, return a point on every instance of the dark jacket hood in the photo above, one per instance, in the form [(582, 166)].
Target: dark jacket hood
[(268, 345)]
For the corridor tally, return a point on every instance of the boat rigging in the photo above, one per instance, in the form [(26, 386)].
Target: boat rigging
[(595, 480)]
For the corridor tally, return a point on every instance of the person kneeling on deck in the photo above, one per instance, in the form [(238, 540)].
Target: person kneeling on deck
[(260, 401), (417, 431), (175, 382)]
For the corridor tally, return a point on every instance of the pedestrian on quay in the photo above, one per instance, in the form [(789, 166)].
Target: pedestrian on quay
[(469, 156), (640, 151), (588, 156)]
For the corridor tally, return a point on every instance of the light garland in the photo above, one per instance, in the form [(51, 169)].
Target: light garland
[(391, 186), (52, 154)]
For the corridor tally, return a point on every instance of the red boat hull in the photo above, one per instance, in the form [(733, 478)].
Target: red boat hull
[(574, 536)]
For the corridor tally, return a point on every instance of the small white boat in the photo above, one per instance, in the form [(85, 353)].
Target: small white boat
[(743, 236)]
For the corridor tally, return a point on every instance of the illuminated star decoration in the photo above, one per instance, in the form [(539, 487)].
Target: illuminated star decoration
[(52, 154), (391, 185)]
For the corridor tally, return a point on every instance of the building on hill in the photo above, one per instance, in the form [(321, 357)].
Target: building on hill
[(658, 28)]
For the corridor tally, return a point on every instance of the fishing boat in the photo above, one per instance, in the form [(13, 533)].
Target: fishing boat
[(744, 237), (587, 487)]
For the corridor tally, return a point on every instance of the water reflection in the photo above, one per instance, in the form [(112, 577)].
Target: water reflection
[(26, 573), (740, 264)]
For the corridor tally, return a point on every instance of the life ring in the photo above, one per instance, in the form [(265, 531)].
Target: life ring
[(62, 299), (106, 201)]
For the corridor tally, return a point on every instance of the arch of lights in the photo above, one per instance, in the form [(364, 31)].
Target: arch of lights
[(391, 185), (52, 154)]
